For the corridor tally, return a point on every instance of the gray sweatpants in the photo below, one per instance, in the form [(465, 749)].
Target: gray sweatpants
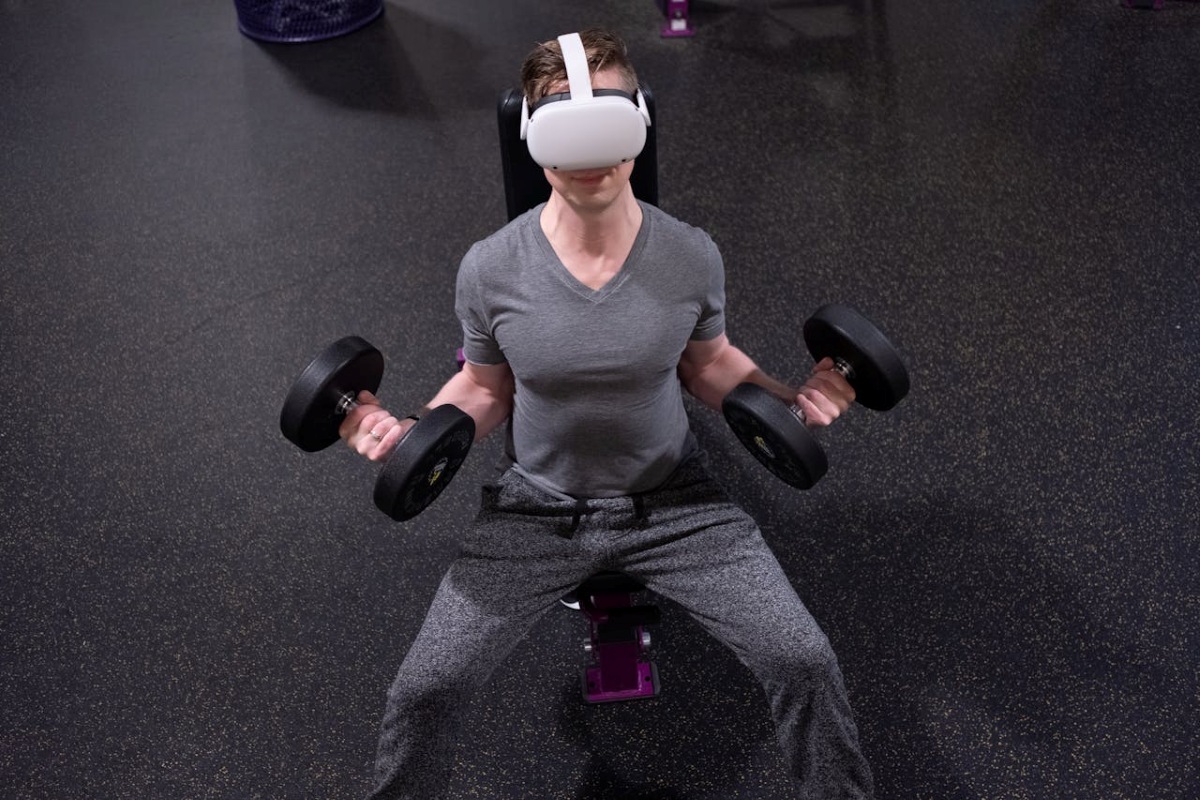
[(685, 541)]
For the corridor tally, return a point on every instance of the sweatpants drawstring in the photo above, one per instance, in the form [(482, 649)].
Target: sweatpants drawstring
[(581, 508), (641, 517)]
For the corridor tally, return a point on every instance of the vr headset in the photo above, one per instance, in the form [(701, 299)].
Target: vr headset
[(582, 128)]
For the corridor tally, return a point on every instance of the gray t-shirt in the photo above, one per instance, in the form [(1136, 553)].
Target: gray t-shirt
[(598, 410)]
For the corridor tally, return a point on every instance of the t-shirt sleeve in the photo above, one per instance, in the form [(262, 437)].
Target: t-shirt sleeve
[(479, 345), (712, 306)]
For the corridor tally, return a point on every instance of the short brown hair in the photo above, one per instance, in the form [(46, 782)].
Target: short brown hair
[(544, 65)]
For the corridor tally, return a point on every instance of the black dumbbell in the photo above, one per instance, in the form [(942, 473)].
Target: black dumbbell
[(775, 432), (422, 463)]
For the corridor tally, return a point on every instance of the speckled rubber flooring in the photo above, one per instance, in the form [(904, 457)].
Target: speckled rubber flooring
[(1007, 564)]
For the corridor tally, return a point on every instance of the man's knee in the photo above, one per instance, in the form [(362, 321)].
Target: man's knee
[(801, 656), (421, 687)]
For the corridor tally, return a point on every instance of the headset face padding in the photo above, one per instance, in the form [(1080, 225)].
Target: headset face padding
[(588, 130)]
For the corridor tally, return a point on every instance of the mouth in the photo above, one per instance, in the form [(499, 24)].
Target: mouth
[(590, 178)]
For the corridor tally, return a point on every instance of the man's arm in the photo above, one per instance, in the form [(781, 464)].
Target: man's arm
[(483, 392), (710, 370)]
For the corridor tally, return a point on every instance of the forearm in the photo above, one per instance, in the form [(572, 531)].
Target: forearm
[(710, 381), (485, 396)]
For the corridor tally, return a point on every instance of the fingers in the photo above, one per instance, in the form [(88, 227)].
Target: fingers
[(390, 432), (818, 410), (379, 435), (367, 404), (371, 430), (825, 395)]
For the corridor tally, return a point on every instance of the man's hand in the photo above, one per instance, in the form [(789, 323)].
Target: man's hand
[(371, 430), (825, 395)]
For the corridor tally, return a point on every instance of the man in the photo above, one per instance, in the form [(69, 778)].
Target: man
[(582, 320)]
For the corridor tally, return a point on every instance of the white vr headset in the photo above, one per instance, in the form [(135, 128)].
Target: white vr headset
[(582, 128)]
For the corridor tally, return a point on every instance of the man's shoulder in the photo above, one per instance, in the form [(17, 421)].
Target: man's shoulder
[(678, 232), (502, 245)]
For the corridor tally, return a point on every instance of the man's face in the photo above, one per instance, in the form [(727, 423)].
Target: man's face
[(591, 188)]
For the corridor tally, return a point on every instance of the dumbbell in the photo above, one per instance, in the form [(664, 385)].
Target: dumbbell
[(775, 432), (422, 463)]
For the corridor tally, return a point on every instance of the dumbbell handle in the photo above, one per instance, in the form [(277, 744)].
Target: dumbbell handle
[(346, 403), (842, 367)]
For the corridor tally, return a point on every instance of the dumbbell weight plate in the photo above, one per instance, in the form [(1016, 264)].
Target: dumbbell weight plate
[(424, 462), (880, 379), (774, 435), (310, 417)]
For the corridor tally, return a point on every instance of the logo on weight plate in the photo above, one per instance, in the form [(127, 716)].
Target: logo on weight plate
[(762, 445), (436, 474)]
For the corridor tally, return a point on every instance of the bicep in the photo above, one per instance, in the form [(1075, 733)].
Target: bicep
[(699, 354), (485, 391), (492, 379), (703, 367)]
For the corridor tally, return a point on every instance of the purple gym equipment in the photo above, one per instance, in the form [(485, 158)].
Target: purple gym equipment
[(295, 21), (618, 641), (677, 24)]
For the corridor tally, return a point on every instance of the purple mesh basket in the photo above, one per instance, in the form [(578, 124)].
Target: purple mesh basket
[(303, 20)]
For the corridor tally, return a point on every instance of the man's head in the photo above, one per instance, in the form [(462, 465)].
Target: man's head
[(544, 71), (582, 109)]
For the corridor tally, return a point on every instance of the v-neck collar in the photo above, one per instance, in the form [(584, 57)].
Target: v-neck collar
[(628, 267)]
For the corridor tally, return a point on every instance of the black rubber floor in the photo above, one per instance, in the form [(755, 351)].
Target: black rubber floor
[(1006, 564)]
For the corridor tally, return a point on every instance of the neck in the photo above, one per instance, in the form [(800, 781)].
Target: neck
[(593, 230)]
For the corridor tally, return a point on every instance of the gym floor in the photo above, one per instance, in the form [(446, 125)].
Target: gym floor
[(193, 608)]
